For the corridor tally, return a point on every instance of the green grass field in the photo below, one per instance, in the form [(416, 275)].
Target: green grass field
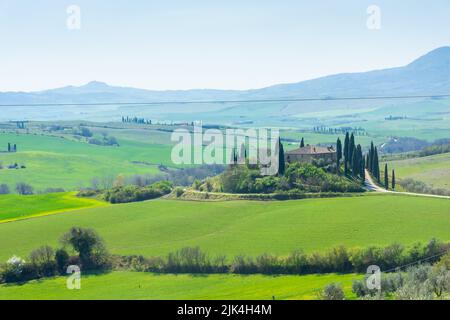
[(135, 285), (242, 227), (433, 170), (14, 207), (53, 162)]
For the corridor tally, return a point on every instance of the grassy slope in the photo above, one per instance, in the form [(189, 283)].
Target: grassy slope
[(433, 170), (134, 285), (55, 162), (242, 227), (14, 207)]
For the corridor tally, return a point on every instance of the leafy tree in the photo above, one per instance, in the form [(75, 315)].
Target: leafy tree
[(4, 189), (24, 189), (85, 132), (333, 291), (88, 244), (43, 261), (62, 259), (439, 280)]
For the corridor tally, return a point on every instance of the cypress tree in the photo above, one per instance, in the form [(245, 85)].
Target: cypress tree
[(376, 166), (338, 155), (346, 146), (9, 147), (345, 167), (351, 147), (371, 158), (354, 163), (339, 149), (393, 179), (359, 160), (302, 143), (386, 177), (281, 164), (234, 156), (243, 152), (363, 173)]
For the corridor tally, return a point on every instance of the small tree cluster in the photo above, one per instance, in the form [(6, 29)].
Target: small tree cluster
[(12, 147), (419, 282), (127, 119), (24, 189), (47, 262)]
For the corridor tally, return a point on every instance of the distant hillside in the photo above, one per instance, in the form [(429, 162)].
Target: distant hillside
[(429, 74)]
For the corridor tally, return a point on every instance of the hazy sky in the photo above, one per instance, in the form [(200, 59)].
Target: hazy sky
[(209, 44)]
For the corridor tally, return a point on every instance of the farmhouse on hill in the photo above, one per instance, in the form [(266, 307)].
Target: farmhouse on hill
[(310, 153)]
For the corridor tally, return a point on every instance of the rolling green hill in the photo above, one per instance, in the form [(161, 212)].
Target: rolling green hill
[(242, 227), (15, 207), (433, 170), (136, 285), (53, 162)]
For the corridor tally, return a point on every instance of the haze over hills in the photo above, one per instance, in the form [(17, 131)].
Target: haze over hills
[(429, 74)]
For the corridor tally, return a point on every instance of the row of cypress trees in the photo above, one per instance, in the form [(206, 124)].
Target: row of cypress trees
[(372, 162), (12, 147), (352, 155), (386, 178)]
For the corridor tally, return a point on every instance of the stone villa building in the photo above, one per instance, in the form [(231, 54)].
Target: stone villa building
[(309, 153)]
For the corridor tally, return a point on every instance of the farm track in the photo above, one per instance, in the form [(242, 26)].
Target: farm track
[(372, 186)]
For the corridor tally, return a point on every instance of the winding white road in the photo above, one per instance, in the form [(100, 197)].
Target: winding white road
[(372, 186)]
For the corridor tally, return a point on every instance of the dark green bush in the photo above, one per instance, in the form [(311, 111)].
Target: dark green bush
[(133, 193)]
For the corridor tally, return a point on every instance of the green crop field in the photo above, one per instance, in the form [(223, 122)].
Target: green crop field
[(433, 170), (53, 162), (136, 285), (15, 207), (242, 227)]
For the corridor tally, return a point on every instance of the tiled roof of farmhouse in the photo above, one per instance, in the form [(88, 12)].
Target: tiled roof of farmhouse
[(312, 150)]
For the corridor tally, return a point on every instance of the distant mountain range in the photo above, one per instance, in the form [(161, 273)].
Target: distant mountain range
[(428, 75)]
